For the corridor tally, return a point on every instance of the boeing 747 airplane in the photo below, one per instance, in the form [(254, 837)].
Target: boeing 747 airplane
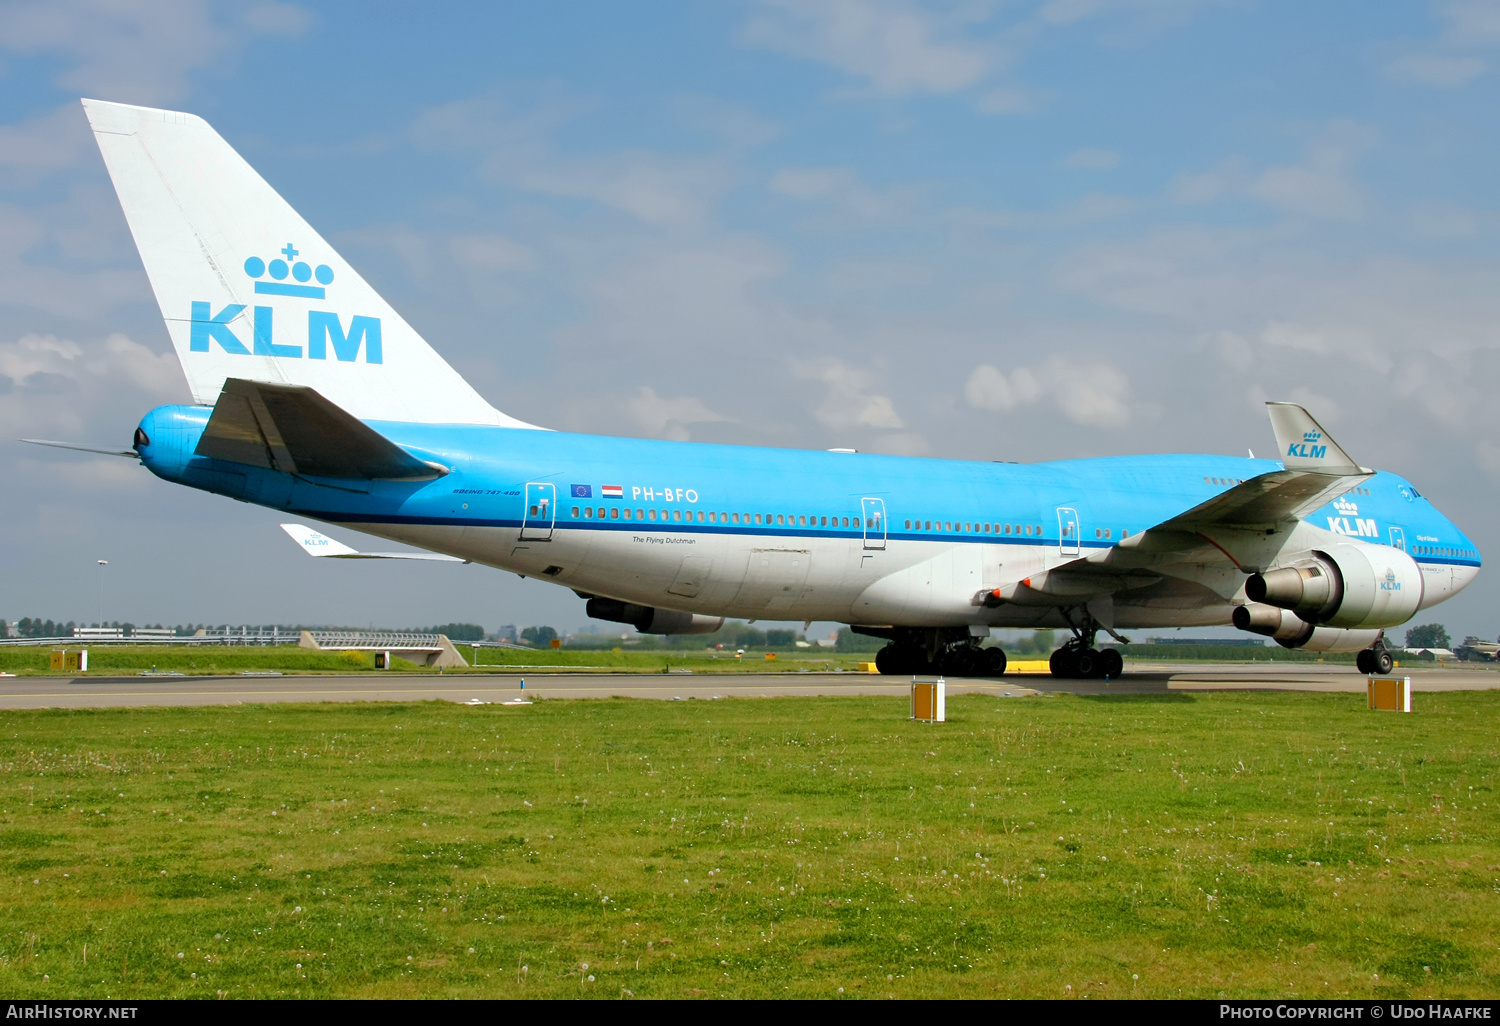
[(312, 396)]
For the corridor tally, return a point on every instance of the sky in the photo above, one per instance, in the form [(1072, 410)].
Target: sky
[(979, 230)]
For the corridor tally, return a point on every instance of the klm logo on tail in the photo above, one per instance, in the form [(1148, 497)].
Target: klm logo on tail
[(1308, 447), (323, 327)]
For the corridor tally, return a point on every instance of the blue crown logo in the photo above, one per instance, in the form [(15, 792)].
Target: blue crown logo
[(279, 269), (1307, 436)]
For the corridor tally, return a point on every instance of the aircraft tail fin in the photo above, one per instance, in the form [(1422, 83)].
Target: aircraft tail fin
[(249, 290)]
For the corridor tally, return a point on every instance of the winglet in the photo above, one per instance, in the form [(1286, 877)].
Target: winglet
[(316, 544), (1304, 445)]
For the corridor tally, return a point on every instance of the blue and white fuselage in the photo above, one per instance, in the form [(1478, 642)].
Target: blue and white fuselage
[(882, 539)]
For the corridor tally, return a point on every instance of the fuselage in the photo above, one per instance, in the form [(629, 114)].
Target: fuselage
[(784, 534)]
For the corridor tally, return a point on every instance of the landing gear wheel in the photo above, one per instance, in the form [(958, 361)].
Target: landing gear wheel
[(894, 660), (992, 662), (1111, 663), (1374, 660), (1086, 664), (963, 662), (1062, 664)]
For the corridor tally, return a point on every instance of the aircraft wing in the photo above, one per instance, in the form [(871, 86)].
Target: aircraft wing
[(292, 428), (315, 544), (1316, 471)]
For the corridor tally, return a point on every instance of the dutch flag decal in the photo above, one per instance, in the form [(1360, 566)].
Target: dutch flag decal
[(612, 491)]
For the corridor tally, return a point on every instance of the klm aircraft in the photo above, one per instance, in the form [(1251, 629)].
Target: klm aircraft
[(312, 396)]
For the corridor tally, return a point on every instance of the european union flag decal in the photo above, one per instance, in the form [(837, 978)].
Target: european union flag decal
[(583, 492)]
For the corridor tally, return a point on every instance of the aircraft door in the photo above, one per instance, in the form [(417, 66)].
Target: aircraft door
[(874, 521), (1067, 531), (540, 511), (1398, 538)]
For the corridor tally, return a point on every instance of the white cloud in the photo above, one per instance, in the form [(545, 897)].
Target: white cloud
[(59, 388), (898, 48), (843, 190), (135, 51), (849, 402), (1320, 185), (517, 150), (1440, 69), (1006, 101), (1087, 393), (989, 388), (670, 418), (490, 253)]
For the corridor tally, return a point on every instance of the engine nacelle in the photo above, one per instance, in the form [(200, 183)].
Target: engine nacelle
[(1291, 631), (650, 620), (1346, 585)]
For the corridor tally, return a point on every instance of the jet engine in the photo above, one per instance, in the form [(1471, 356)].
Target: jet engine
[(650, 620), (1291, 631), (1345, 585)]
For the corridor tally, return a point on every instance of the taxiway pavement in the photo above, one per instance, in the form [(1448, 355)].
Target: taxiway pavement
[(477, 688)]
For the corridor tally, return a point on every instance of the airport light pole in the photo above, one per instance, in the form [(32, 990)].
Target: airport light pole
[(102, 564)]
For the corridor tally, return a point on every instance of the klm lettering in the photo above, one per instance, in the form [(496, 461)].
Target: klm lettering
[(1361, 528), (1307, 452), (323, 329)]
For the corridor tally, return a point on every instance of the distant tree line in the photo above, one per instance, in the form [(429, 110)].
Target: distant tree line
[(1429, 635), (455, 631)]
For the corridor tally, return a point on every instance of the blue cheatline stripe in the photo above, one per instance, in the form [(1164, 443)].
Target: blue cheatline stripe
[(272, 288), (346, 517)]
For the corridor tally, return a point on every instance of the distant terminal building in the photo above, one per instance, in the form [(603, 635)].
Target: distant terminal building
[(1237, 642)]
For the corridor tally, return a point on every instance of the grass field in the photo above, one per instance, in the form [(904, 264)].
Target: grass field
[(225, 659), (1196, 845)]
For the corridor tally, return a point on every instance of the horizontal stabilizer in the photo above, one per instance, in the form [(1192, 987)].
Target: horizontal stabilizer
[(293, 429), (315, 544), (131, 453)]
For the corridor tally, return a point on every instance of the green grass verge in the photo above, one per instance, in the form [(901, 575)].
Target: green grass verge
[(206, 659), (1195, 845)]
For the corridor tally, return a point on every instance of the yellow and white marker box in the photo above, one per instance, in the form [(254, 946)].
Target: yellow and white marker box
[(1392, 694), (929, 699), (64, 660)]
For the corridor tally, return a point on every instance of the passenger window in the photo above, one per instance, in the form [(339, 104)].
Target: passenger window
[(651, 514), (824, 523), (700, 516), (908, 525), (711, 519), (575, 512), (780, 519), (986, 528), (603, 513), (845, 523), (588, 512), (533, 511), (677, 514), (802, 521), (1106, 534), (627, 514)]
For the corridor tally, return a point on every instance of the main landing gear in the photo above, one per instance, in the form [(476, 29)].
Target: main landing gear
[(1079, 659), (1375, 659), (950, 652)]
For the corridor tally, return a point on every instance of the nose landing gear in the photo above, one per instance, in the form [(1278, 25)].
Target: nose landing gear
[(1375, 659)]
